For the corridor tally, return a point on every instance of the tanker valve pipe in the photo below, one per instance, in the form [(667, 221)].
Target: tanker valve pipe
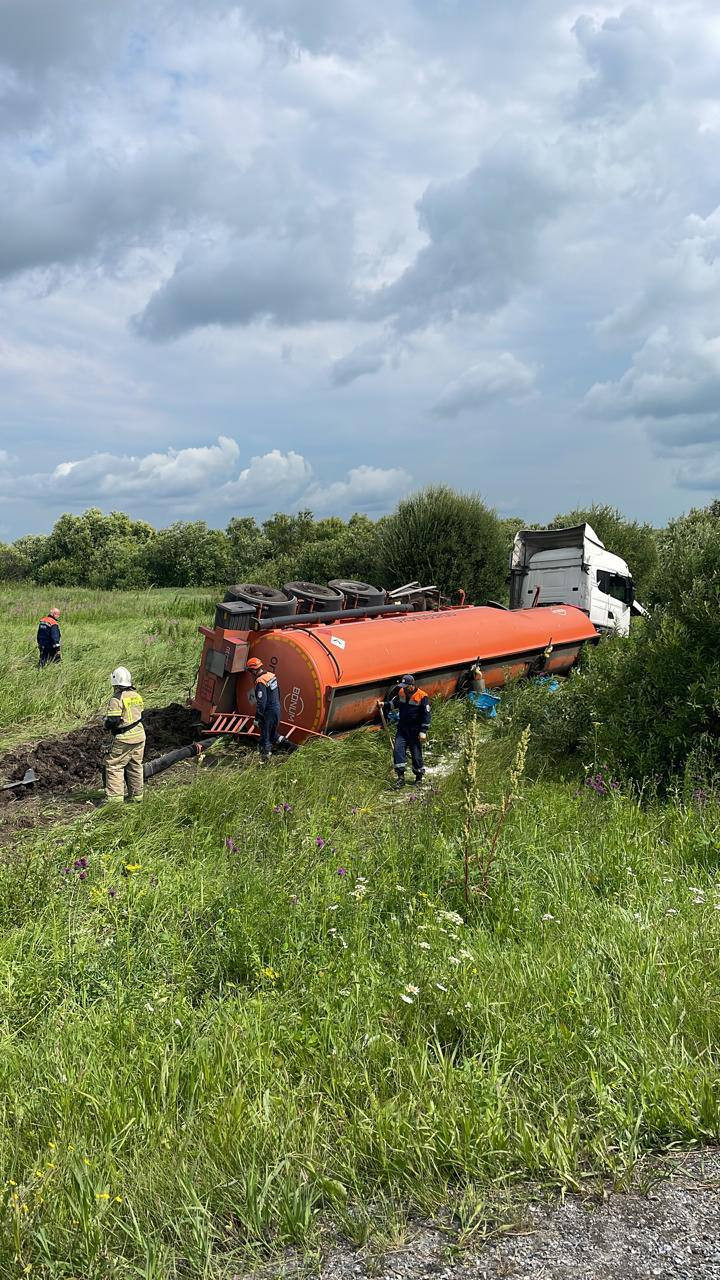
[(170, 758), (341, 615)]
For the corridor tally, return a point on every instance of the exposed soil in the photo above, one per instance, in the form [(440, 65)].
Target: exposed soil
[(75, 759), (668, 1228)]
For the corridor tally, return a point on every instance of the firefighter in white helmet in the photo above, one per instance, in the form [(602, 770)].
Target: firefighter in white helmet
[(124, 761)]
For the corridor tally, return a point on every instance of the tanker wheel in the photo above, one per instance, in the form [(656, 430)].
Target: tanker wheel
[(274, 603), (317, 598), (357, 594)]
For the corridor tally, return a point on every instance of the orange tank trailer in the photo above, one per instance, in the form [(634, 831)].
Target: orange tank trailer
[(331, 675)]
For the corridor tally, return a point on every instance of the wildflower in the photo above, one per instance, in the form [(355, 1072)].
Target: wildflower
[(342, 871), (133, 866), (294, 899), (112, 893), (102, 1195), (547, 916), (80, 864), (65, 871), (414, 991), (320, 842), (407, 999), (466, 955), (118, 1199), (424, 946), (269, 973), (287, 808), (277, 808), (440, 986), (83, 875), (453, 960), (671, 912), (451, 917), (230, 844)]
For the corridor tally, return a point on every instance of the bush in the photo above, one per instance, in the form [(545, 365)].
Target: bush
[(648, 707), (452, 540)]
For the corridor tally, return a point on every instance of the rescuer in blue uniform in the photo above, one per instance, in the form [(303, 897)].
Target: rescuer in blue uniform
[(413, 707), (48, 638), (267, 706)]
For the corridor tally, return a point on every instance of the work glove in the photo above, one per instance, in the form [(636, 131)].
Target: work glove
[(422, 737)]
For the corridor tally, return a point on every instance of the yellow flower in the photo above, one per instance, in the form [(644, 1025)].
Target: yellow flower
[(52, 1145), (102, 1195), (133, 866), (118, 1199), (85, 1160)]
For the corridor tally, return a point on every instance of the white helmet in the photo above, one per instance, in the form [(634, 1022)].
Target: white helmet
[(121, 678)]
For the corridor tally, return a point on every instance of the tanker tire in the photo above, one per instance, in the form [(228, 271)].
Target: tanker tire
[(274, 603), (314, 598), (357, 594)]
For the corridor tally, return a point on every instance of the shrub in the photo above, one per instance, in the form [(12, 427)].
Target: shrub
[(452, 540)]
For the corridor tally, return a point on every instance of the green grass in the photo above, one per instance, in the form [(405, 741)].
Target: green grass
[(217, 1059), (205, 1053), (154, 633)]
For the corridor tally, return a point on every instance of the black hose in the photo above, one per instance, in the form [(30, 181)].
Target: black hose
[(301, 619), (170, 758)]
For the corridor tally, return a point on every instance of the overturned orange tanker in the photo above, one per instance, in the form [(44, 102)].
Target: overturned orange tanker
[(335, 660)]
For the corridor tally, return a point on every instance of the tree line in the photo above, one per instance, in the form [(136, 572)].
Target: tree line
[(448, 539)]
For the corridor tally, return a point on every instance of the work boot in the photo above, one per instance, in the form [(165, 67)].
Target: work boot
[(419, 779), (399, 782), (265, 756)]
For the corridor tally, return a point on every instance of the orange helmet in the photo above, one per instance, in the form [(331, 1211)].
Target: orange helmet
[(254, 664)]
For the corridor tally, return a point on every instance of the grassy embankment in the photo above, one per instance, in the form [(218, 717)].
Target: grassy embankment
[(254, 1011), (154, 633)]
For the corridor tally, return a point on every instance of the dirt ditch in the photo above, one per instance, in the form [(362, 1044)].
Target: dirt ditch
[(75, 759)]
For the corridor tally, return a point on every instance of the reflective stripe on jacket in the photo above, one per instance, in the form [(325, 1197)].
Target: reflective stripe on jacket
[(125, 710)]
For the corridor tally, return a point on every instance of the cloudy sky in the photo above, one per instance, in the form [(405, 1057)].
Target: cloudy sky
[(265, 254)]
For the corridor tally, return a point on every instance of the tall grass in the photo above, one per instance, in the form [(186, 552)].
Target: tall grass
[(266, 1009), (154, 633)]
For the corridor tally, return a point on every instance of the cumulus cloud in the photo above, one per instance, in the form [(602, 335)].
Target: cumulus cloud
[(367, 358), (205, 478), (497, 377), (484, 232), (671, 376), (629, 56), (366, 488), (290, 281)]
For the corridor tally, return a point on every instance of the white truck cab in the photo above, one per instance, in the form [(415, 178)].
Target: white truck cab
[(572, 566)]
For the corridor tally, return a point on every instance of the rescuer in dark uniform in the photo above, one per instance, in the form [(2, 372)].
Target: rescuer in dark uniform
[(413, 707), (48, 638), (267, 706)]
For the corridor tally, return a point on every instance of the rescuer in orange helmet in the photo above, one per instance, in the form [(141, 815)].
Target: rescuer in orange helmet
[(413, 707), (48, 638), (267, 705)]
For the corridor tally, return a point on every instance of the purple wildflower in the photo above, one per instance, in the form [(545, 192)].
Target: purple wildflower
[(277, 808), (65, 871), (320, 842), (287, 808), (112, 893), (83, 875), (80, 864), (230, 845), (342, 871)]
